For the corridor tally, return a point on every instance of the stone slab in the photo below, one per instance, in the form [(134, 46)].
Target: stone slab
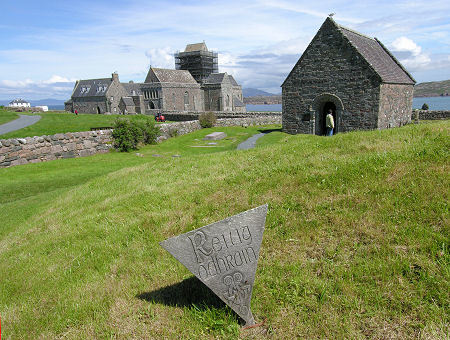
[(215, 136), (224, 256)]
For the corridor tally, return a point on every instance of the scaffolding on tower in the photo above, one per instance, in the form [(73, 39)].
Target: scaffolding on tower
[(198, 61)]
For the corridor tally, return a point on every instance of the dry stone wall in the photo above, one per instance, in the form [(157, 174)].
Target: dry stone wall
[(18, 151), (430, 115), (181, 128)]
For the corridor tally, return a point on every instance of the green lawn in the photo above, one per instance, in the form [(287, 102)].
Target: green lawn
[(6, 116), (356, 242), (53, 122)]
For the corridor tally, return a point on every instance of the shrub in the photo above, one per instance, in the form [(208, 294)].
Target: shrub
[(207, 119), (129, 134), (126, 135), (149, 131), (425, 106)]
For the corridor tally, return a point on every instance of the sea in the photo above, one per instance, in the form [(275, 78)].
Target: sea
[(434, 103)]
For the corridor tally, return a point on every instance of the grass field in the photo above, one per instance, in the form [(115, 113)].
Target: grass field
[(55, 122), (6, 116), (356, 242)]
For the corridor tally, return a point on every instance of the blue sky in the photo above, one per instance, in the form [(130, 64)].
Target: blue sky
[(46, 45)]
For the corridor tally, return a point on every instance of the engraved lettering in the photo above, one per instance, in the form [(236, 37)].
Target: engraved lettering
[(219, 260), (240, 259), (248, 253), (231, 237), (246, 235), (224, 240), (229, 259), (203, 272), (216, 244), (210, 271), (198, 240)]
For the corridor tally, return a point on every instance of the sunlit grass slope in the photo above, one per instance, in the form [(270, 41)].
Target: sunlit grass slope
[(7, 116), (356, 242)]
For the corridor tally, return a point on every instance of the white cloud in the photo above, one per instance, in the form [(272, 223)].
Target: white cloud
[(404, 44), (55, 87), (161, 57), (410, 54), (58, 79)]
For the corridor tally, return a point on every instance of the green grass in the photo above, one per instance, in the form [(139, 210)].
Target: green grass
[(52, 123), (356, 242), (6, 116)]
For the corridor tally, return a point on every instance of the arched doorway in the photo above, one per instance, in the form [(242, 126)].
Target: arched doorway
[(98, 110), (151, 106), (326, 107), (321, 105)]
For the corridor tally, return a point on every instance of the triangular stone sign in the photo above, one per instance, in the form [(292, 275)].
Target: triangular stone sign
[(224, 255)]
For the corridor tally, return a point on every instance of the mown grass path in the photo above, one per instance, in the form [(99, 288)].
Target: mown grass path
[(356, 242), (22, 122)]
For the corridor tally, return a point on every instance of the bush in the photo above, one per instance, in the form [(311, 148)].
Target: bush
[(425, 106), (126, 135), (149, 131), (129, 134), (207, 119)]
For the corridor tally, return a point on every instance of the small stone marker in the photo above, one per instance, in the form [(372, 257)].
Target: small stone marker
[(215, 136), (224, 256)]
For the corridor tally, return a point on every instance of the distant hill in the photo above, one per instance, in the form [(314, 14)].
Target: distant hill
[(250, 92), (48, 101), (432, 89)]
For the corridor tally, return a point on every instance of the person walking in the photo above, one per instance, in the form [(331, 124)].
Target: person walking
[(330, 123), (76, 113)]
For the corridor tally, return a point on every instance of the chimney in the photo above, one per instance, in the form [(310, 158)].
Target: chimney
[(115, 77)]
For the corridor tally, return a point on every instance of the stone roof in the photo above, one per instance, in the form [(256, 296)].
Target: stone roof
[(377, 55), (133, 89), (92, 87), (237, 102), (128, 101), (219, 78), (173, 76), (196, 47), (232, 80)]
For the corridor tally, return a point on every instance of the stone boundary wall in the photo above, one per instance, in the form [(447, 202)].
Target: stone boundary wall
[(430, 115), (17, 151), (181, 128), (189, 116)]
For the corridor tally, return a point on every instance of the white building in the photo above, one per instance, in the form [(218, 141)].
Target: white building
[(43, 107), (19, 103)]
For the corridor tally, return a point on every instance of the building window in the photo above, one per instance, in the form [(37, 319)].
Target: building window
[(228, 101), (115, 109), (193, 102), (186, 98), (112, 98), (173, 100)]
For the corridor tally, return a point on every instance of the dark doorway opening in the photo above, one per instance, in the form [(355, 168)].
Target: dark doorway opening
[(98, 110), (327, 106), (152, 106)]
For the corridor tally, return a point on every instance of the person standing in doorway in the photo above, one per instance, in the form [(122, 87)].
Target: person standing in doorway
[(330, 123), (76, 113)]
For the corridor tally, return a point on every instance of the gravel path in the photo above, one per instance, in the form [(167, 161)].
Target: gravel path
[(19, 123), (250, 142)]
